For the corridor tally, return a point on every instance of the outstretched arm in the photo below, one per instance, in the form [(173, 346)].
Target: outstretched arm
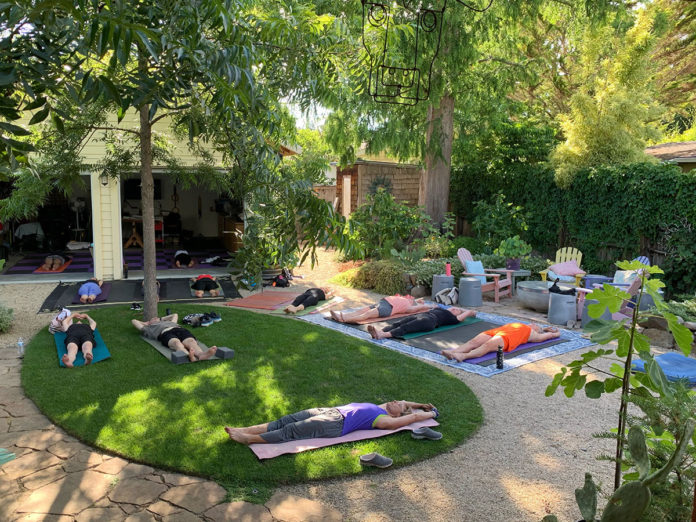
[(417, 308), (171, 317), (65, 323), (419, 405), (385, 422)]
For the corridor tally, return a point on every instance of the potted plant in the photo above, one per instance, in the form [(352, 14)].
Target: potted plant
[(513, 248)]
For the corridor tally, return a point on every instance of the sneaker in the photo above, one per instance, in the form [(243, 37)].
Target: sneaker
[(376, 460), (206, 320), (192, 319), (426, 433), (136, 306), (215, 317)]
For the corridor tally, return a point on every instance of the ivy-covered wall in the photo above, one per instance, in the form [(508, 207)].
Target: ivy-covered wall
[(609, 213)]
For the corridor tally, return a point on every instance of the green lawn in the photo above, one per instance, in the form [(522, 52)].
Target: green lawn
[(139, 405)]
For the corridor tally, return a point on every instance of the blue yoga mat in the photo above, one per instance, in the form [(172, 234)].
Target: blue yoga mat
[(675, 366), (100, 351)]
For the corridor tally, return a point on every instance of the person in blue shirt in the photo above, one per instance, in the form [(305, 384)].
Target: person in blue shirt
[(334, 422)]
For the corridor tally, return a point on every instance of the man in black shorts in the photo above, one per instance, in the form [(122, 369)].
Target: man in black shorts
[(78, 336), (205, 283), (167, 331)]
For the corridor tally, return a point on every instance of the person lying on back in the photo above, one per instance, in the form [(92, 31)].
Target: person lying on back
[(167, 331)]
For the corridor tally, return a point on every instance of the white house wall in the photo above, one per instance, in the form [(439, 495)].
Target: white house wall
[(106, 228)]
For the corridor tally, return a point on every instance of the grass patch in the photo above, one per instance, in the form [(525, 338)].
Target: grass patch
[(139, 405)]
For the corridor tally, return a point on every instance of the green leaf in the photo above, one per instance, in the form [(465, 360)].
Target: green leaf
[(38, 102), (682, 335), (601, 330), (551, 388), (39, 116), (594, 389), (639, 451), (58, 122), (14, 129), (657, 376), (612, 384), (148, 45), (110, 88), (8, 77)]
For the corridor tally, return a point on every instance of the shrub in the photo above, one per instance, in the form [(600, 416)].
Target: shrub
[(345, 278), (383, 223), (685, 309), (497, 220), (6, 315), (384, 277), (437, 246), (390, 279), (534, 264), (426, 269), (472, 244)]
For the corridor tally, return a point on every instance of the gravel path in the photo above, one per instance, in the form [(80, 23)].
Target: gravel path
[(524, 462)]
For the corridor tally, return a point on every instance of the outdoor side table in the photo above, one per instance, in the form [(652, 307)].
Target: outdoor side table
[(517, 273), (562, 308), (470, 291), (440, 282)]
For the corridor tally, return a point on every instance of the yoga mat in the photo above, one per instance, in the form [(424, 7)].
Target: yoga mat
[(321, 305), (490, 358), (381, 319), (105, 289), (265, 300), (179, 357), (468, 320), (100, 351), (81, 262), (675, 366), (58, 270), (269, 451)]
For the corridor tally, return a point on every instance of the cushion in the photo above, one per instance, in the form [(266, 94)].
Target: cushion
[(567, 268), (552, 276), (624, 277), (476, 267)]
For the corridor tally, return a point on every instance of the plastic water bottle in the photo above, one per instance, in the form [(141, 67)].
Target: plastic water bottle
[(20, 347), (499, 358)]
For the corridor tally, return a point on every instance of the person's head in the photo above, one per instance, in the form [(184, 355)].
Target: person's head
[(398, 408), (328, 291)]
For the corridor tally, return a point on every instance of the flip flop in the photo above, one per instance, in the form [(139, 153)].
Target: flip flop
[(426, 433), (376, 460)]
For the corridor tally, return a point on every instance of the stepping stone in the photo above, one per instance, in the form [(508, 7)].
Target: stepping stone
[(39, 517), (8, 505), (183, 516), (108, 514), (134, 470), (175, 479), (196, 497), (39, 440), (30, 463), (23, 408), (290, 508), (68, 496), (8, 486), (4, 424), (31, 422), (137, 491), (162, 508), (84, 459), (140, 516), (239, 511), (112, 466), (43, 477), (65, 450)]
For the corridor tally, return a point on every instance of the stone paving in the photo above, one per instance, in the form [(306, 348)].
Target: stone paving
[(56, 478)]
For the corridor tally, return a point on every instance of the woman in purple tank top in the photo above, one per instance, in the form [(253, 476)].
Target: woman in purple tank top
[(334, 422)]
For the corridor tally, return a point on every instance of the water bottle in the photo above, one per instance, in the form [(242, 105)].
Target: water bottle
[(499, 358), (125, 270), (169, 311), (20, 347)]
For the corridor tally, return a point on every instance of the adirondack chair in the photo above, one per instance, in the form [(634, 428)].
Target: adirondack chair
[(566, 254), (623, 278), (626, 310), (500, 287)]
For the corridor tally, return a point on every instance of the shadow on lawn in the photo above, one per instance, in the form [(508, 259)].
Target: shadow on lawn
[(139, 405)]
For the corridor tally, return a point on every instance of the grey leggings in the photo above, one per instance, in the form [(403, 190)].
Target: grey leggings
[(305, 424)]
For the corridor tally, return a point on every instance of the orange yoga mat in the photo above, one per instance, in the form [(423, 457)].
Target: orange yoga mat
[(264, 300), (62, 267)]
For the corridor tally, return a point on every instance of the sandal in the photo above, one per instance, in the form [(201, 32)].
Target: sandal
[(376, 460)]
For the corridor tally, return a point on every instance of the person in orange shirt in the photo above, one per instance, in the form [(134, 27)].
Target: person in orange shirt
[(508, 337)]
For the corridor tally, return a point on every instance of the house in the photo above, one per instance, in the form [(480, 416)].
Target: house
[(681, 153), (106, 211)]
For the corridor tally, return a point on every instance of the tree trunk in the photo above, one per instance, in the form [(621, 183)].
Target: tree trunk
[(435, 185), (147, 203)]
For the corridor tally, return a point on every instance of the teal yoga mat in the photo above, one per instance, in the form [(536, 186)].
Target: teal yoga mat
[(100, 351), (468, 320)]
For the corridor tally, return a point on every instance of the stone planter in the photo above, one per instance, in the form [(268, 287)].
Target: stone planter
[(513, 263)]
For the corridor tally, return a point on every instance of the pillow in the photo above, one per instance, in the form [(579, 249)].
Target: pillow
[(624, 277), (552, 276), (567, 268), (476, 267)]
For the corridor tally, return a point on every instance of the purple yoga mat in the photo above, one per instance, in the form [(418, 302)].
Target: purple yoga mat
[(492, 355), (105, 289)]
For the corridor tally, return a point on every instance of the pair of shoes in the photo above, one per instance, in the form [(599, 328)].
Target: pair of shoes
[(214, 316), (193, 320), (376, 460), (206, 320), (136, 306), (426, 433)]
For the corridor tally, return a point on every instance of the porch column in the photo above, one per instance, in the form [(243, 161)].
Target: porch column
[(106, 227)]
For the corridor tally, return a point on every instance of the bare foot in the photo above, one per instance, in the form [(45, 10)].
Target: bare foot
[(378, 334), (459, 357), (335, 316), (214, 293), (446, 354), (192, 356), (88, 357), (237, 435), (202, 356), (373, 331), (66, 361), (290, 309), (469, 313)]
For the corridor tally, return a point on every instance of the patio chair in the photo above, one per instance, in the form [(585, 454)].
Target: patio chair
[(626, 310), (500, 287), (563, 255), (624, 278)]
